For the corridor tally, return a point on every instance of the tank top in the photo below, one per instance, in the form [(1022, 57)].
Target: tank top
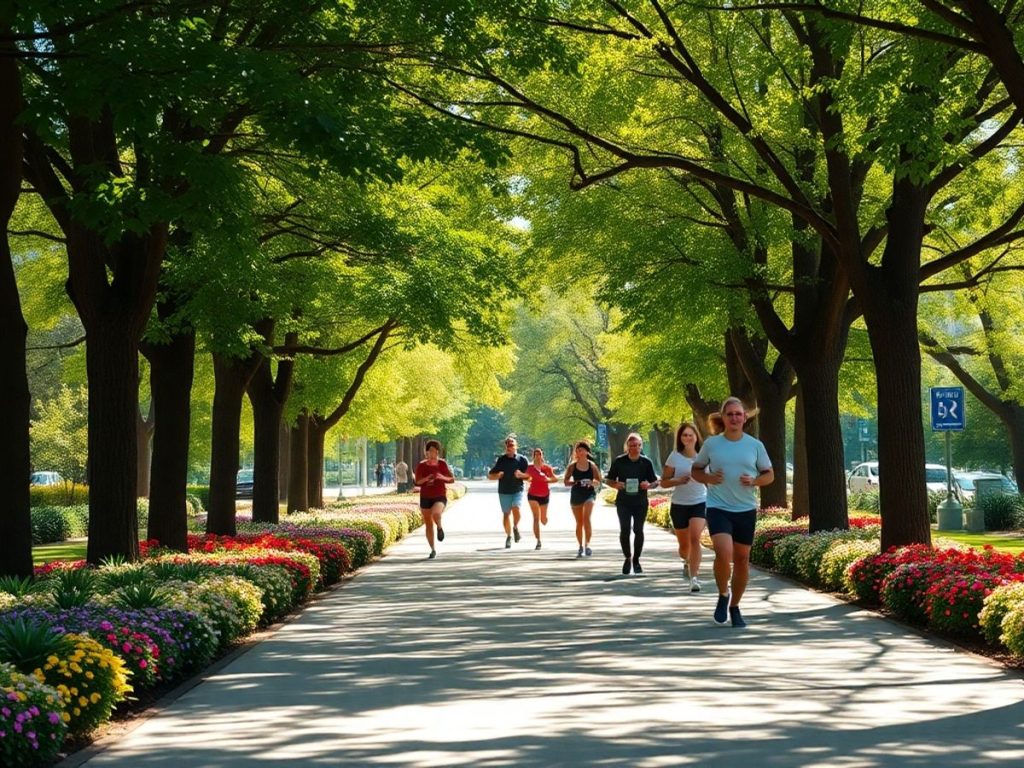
[(580, 493)]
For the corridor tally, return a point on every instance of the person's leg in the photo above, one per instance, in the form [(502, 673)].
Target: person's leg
[(693, 533), (740, 571), (625, 520), (588, 530), (543, 514), (639, 518), (723, 560), (535, 510), (435, 512), (515, 520), (577, 512), (506, 522), (428, 526), (683, 541)]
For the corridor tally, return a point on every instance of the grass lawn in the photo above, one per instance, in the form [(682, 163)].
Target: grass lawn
[(1012, 542), (64, 550)]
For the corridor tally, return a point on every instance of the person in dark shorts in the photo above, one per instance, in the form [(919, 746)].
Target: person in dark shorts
[(733, 465), (688, 500), (583, 478), (633, 475), (431, 476), (539, 493), (510, 470)]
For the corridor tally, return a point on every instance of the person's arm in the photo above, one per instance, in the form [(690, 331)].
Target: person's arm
[(549, 474), (766, 474), (612, 478), (699, 469), (521, 470), (668, 477), (495, 473), (446, 478), (652, 477), (597, 475), (568, 480)]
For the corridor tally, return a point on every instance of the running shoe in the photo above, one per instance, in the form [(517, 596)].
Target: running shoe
[(432, 555), (686, 570), (626, 564), (515, 532), (538, 545), (588, 551), (580, 553), (695, 584), (736, 617), (722, 609), (440, 533), (636, 566), (508, 542)]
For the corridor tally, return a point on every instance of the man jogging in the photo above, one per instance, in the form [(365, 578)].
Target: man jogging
[(510, 470)]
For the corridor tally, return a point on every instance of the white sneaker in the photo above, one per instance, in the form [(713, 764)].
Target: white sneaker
[(695, 584)]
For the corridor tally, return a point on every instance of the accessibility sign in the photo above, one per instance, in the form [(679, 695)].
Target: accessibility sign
[(949, 412)]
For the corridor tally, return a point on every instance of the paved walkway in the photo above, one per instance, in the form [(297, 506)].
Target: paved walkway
[(488, 657)]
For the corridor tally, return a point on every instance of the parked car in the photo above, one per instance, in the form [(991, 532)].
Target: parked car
[(966, 483), (243, 484), (864, 477), (45, 478)]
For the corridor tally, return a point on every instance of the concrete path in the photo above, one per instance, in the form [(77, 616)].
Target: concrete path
[(494, 657)]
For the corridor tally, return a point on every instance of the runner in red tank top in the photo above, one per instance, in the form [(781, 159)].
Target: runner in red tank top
[(539, 492)]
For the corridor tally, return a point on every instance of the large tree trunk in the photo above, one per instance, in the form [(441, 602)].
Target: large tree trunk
[(284, 460), (298, 497), (889, 304), (824, 473), (266, 413), (171, 372), (315, 463), (801, 493), (15, 517), (144, 446), (772, 432), (112, 365), (231, 376), (1014, 423)]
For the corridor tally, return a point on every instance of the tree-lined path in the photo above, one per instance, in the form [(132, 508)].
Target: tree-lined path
[(489, 657)]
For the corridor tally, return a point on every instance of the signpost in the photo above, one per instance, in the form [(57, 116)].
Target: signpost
[(949, 414)]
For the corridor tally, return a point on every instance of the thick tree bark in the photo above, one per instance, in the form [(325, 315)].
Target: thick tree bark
[(112, 365), (888, 296), (231, 377), (144, 446), (171, 373), (801, 493), (315, 436), (284, 460), (1015, 430), (298, 497), (15, 517), (825, 475)]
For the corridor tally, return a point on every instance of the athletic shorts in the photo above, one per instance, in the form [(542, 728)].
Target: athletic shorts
[(509, 500), (579, 499), (426, 502), (683, 513), (739, 525), (542, 500)]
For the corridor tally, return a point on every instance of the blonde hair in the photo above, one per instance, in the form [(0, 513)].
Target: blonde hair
[(716, 421), (630, 436)]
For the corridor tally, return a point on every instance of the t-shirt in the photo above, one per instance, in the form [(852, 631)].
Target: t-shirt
[(401, 472), (509, 483), (538, 480), (690, 493), (746, 456), (435, 489), (625, 469)]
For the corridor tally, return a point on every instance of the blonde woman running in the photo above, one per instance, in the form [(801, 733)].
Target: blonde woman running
[(689, 498), (583, 478)]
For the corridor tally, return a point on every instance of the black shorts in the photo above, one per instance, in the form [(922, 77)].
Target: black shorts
[(683, 513), (429, 501), (542, 500), (579, 499), (739, 525)]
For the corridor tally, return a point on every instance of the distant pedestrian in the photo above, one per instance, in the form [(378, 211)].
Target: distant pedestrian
[(389, 472), (733, 465), (431, 476), (510, 470), (633, 475), (583, 478), (539, 492), (402, 476), (688, 510), (378, 473)]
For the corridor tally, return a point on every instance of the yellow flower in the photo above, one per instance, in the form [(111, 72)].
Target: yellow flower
[(52, 660), (89, 675), (83, 702), (94, 698)]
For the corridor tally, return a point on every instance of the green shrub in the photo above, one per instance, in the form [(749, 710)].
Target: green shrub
[(1013, 630), (36, 709), (903, 590), (864, 501), (49, 524), (996, 606), (836, 561), (202, 496), (934, 499), (231, 604), (60, 495), (811, 552), (785, 553), (194, 504), (1003, 512)]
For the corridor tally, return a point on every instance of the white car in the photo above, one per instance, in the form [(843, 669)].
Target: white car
[(45, 478), (966, 483), (864, 477)]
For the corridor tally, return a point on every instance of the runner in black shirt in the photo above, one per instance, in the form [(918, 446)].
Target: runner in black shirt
[(633, 475)]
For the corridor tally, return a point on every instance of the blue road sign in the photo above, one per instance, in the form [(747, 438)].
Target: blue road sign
[(949, 412), (602, 436)]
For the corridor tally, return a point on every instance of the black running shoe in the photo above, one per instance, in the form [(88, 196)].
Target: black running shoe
[(626, 565), (440, 533), (722, 609), (736, 617), (432, 555), (515, 533), (636, 566)]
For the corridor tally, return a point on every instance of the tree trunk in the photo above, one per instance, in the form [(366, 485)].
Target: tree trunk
[(825, 475), (15, 517), (772, 432), (112, 365), (171, 370), (144, 446), (284, 460), (1015, 432), (702, 409), (889, 304), (315, 464), (298, 498), (801, 492), (231, 376)]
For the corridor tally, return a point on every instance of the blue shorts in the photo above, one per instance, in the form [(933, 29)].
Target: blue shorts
[(509, 500), (739, 525)]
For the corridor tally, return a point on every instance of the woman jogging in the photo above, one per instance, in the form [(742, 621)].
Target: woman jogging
[(688, 500), (633, 475), (539, 492), (583, 478), (431, 475), (733, 465)]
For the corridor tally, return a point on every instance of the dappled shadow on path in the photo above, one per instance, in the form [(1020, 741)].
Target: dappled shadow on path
[(522, 659)]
